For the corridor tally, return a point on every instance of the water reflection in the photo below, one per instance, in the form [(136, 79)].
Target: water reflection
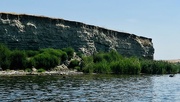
[(90, 88)]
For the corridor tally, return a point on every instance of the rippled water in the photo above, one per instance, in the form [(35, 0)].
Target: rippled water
[(161, 88)]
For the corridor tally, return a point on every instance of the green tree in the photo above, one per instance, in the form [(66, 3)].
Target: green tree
[(18, 60)]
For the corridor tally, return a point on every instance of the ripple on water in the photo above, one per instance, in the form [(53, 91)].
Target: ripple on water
[(90, 88)]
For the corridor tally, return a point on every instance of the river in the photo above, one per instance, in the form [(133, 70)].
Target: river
[(90, 88)]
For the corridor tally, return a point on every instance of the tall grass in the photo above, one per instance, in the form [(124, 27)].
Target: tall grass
[(112, 62), (158, 67)]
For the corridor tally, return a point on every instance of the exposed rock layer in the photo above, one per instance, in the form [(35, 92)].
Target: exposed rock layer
[(35, 32)]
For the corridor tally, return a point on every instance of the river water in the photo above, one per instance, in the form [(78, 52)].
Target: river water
[(90, 88)]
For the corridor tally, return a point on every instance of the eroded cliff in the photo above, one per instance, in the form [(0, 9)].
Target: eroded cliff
[(35, 32)]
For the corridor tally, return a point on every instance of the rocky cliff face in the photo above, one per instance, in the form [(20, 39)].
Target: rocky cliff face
[(35, 32)]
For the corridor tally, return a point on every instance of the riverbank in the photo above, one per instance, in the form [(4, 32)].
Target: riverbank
[(23, 73)]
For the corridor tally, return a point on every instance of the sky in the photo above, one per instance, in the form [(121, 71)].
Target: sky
[(156, 19)]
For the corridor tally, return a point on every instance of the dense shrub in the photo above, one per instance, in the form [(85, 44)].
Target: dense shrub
[(31, 53), (112, 62), (46, 61), (117, 67), (132, 66), (87, 64), (102, 67), (4, 57), (126, 66), (64, 56), (69, 51), (18, 60), (28, 70), (158, 67), (98, 57), (40, 70), (73, 64), (30, 63)]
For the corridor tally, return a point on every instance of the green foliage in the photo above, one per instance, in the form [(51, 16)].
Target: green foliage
[(56, 52), (64, 56), (158, 67), (132, 66), (18, 60), (87, 64), (41, 70), (4, 57), (30, 63), (98, 57), (28, 70), (78, 68), (112, 62), (69, 51), (105, 63), (31, 53), (126, 66), (102, 67), (73, 64), (45, 60), (79, 54)]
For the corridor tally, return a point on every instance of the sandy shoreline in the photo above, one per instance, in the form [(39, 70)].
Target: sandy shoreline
[(23, 73)]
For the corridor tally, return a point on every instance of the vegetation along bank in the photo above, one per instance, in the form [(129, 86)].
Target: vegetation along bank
[(106, 63)]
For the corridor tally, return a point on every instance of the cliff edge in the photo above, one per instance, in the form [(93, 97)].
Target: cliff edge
[(31, 32)]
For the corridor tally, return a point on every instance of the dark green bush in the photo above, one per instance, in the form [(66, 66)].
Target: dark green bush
[(98, 57), (40, 70), (31, 53), (46, 61), (30, 63), (132, 66), (69, 51), (73, 64), (18, 60), (113, 56), (87, 64), (79, 54), (102, 67), (78, 68), (56, 52), (4, 57), (117, 67), (28, 70), (157, 67), (111, 62), (64, 56)]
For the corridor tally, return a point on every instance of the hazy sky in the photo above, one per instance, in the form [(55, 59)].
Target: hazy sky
[(156, 19)]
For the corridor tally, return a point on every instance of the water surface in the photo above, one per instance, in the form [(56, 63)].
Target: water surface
[(84, 88)]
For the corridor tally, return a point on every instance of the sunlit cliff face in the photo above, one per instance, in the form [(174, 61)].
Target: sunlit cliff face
[(36, 32)]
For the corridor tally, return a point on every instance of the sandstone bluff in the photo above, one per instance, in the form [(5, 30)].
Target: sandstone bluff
[(23, 31)]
